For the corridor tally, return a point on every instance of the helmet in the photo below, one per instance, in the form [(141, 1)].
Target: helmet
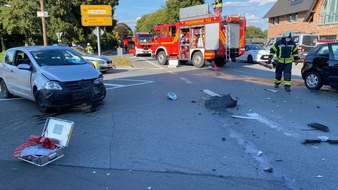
[(287, 34), (88, 44)]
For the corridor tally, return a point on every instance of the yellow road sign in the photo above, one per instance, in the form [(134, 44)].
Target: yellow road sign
[(95, 10), (97, 21)]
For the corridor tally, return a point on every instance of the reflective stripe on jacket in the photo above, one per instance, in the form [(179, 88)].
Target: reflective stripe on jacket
[(284, 51)]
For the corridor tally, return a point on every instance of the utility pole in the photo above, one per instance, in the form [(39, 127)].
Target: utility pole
[(43, 24)]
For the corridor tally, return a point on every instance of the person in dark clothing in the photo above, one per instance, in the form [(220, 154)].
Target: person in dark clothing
[(286, 52)]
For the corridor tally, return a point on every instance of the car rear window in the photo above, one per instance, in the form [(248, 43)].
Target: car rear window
[(310, 40)]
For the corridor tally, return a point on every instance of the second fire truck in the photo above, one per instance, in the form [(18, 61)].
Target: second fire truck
[(141, 44), (206, 38)]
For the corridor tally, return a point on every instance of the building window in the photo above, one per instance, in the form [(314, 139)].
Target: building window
[(295, 17), (329, 12), (289, 18), (277, 20), (273, 21)]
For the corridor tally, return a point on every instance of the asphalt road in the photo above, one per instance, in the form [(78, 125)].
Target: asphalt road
[(139, 139)]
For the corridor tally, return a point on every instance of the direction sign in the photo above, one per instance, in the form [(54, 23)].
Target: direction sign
[(97, 21), (95, 10), (96, 31)]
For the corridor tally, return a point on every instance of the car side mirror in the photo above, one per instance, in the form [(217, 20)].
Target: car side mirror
[(24, 66)]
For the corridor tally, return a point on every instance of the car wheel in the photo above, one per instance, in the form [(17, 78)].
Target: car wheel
[(162, 58), (40, 102), (198, 59), (313, 80), (4, 91), (250, 59)]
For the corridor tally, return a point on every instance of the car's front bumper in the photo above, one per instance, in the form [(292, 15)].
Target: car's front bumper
[(262, 58), (74, 94)]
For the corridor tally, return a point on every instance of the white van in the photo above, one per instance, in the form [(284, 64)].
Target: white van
[(305, 42)]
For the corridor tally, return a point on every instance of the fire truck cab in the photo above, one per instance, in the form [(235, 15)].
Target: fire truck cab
[(142, 44), (199, 39)]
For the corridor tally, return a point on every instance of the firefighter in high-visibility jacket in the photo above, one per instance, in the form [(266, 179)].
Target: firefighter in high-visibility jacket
[(218, 7), (286, 52)]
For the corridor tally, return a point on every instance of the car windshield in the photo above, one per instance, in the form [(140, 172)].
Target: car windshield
[(57, 57), (253, 47)]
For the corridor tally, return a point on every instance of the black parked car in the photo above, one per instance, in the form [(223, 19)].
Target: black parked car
[(321, 66)]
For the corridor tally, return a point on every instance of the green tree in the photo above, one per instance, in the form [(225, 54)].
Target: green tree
[(66, 18), (169, 14), (172, 8), (123, 30), (147, 22), (19, 17), (254, 32)]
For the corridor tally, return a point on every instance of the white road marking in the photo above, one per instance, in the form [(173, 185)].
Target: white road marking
[(156, 65), (114, 86), (211, 93), (273, 125), (109, 86), (186, 80)]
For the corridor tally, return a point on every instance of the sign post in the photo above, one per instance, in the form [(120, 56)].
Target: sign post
[(59, 34), (96, 15)]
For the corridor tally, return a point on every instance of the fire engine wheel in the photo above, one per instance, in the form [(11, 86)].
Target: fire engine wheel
[(198, 59), (162, 58)]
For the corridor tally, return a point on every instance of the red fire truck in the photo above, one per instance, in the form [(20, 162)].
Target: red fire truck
[(211, 38), (141, 44)]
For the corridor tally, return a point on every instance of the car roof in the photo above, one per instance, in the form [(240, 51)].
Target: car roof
[(328, 43), (37, 48)]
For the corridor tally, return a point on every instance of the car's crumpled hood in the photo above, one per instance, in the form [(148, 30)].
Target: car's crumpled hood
[(69, 72)]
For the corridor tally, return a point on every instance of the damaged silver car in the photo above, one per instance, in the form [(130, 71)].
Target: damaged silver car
[(52, 76)]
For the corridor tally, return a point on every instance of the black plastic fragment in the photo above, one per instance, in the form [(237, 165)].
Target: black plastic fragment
[(311, 141), (319, 126)]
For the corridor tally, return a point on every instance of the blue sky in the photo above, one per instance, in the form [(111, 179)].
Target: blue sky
[(129, 11)]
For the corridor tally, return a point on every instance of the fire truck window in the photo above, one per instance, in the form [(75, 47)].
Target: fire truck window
[(156, 34), (172, 31), (164, 32)]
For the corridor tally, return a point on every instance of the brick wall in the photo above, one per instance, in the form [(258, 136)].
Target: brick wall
[(300, 26)]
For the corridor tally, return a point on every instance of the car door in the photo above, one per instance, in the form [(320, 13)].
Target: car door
[(21, 77), (7, 70), (333, 66)]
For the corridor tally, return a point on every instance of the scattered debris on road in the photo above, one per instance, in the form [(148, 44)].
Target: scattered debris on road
[(243, 117), (268, 169), (259, 153), (319, 126), (216, 102), (319, 140), (172, 96), (271, 90)]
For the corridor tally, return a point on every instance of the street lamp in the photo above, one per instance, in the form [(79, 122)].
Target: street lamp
[(43, 24)]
